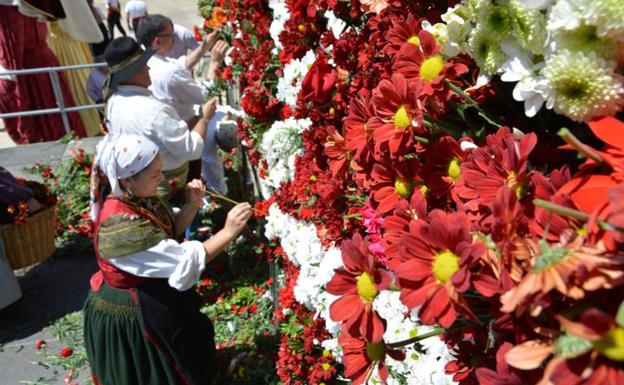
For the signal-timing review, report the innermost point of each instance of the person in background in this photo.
(95, 83)
(142, 319)
(135, 10)
(172, 79)
(113, 7)
(98, 48)
(132, 109)
(183, 42)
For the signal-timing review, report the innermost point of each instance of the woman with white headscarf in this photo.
(142, 319)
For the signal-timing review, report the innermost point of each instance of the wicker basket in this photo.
(32, 241)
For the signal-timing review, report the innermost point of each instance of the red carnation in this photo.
(319, 82)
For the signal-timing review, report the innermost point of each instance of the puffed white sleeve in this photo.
(181, 263)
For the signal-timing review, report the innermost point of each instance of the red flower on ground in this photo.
(398, 115)
(357, 284)
(433, 266)
(361, 357)
(40, 344)
(66, 352)
(392, 182)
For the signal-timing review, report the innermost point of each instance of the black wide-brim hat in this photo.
(125, 58)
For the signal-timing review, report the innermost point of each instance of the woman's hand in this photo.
(195, 191)
(237, 218)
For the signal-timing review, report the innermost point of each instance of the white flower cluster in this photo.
(303, 246)
(560, 53)
(289, 84)
(280, 16)
(300, 242)
(279, 147)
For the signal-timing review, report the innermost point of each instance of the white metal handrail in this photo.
(58, 93)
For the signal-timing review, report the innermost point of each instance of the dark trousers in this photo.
(114, 19)
(135, 24)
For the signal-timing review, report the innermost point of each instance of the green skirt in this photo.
(118, 352)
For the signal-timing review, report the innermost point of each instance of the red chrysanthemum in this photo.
(433, 267)
(393, 182)
(443, 167)
(358, 284)
(358, 134)
(361, 357)
(397, 224)
(405, 32)
(398, 114)
(504, 374)
(425, 62)
(502, 162)
(337, 152)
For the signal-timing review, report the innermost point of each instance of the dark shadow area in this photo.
(55, 287)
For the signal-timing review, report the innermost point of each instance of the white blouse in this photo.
(181, 263)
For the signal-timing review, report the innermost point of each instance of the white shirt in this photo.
(182, 263)
(212, 168)
(136, 8)
(173, 83)
(183, 41)
(134, 110)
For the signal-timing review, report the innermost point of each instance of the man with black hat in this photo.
(132, 109)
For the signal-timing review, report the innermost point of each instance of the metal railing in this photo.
(58, 93)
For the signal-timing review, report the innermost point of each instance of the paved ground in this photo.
(59, 285)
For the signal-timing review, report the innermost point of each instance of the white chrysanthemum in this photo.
(566, 14)
(289, 85)
(453, 33)
(335, 24)
(279, 147)
(496, 22)
(529, 27)
(585, 38)
(280, 16)
(477, 8)
(585, 86)
(608, 17)
(531, 86)
(486, 51)
(536, 4)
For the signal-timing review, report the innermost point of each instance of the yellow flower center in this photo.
(445, 264)
(301, 27)
(611, 345)
(431, 67)
(402, 188)
(326, 353)
(454, 171)
(414, 40)
(326, 366)
(313, 178)
(366, 287)
(424, 190)
(375, 352)
(512, 183)
(400, 118)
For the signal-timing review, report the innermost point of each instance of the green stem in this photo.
(568, 212)
(400, 344)
(349, 216)
(584, 149)
(447, 128)
(471, 102)
(421, 139)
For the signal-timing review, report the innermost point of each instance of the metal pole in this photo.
(60, 101)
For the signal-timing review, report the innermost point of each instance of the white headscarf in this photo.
(118, 157)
